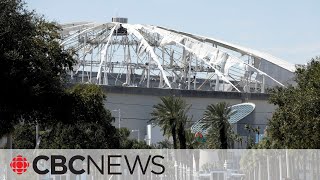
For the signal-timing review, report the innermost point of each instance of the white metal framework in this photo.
(121, 54)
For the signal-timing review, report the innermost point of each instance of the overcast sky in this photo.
(288, 29)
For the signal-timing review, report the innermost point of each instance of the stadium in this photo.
(136, 64)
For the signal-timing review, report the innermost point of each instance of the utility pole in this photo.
(119, 116)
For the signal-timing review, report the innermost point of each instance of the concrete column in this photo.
(263, 84)
(217, 84)
(128, 61)
(189, 74)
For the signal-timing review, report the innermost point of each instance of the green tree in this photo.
(32, 66)
(296, 121)
(86, 124)
(87, 121)
(165, 144)
(127, 143)
(192, 142)
(24, 136)
(250, 137)
(171, 115)
(220, 131)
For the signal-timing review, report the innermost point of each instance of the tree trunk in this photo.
(174, 137)
(9, 141)
(182, 137)
(223, 137)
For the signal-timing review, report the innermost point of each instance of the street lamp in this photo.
(137, 130)
(119, 115)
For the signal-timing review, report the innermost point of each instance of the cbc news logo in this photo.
(19, 164)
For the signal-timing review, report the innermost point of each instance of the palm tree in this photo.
(170, 115)
(216, 118)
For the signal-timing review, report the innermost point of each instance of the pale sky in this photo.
(288, 29)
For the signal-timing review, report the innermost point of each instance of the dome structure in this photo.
(238, 112)
(135, 55)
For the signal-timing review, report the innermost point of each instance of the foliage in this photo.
(165, 144)
(296, 121)
(192, 143)
(86, 119)
(32, 66)
(220, 133)
(127, 143)
(24, 136)
(264, 144)
(85, 103)
(250, 141)
(171, 115)
(78, 136)
(87, 124)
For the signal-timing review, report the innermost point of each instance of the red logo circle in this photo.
(19, 164)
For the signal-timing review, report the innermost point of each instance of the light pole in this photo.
(137, 130)
(119, 115)
(37, 144)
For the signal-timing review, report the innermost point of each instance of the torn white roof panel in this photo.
(277, 61)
